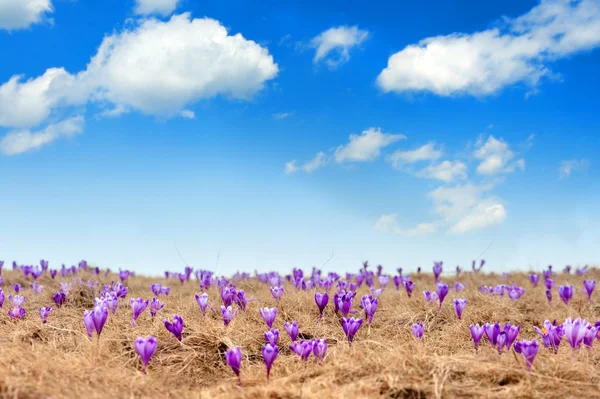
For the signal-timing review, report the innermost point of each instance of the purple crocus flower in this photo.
(156, 289)
(418, 330)
(459, 306)
(437, 269)
(202, 301)
(233, 356)
(292, 329)
(383, 281)
(534, 278)
(155, 307)
(590, 335)
(369, 305)
(16, 313)
(477, 332)
(344, 302)
(350, 325)
(145, 347)
(588, 287)
(17, 300)
(17, 288)
(165, 291)
(175, 328)
(277, 292)
(227, 314)
(409, 286)
(137, 307)
(320, 349)
(269, 353)
(549, 295)
(44, 313)
(492, 331)
(1, 298)
(458, 287)
(321, 300)
(124, 275)
(241, 300)
(111, 300)
(53, 273)
(272, 336)
(430, 296)
(268, 315)
(512, 332)
(549, 283)
(528, 349)
(228, 295)
(501, 340)
(575, 331)
(95, 319)
(442, 291)
(303, 348)
(551, 334)
(566, 293)
(375, 292)
(458, 271)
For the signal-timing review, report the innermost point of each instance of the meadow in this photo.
(387, 358)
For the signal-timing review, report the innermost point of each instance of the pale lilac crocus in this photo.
(376, 292)
(17, 313)
(320, 349)
(202, 301)
(292, 329)
(529, 350)
(233, 357)
(588, 288)
(350, 325)
(534, 279)
(418, 329)
(565, 292)
(137, 307)
(156, 289)
(321, 300)
(227, 314)
(430, 296)
(501, 340)
(459, 306)
(269, 353)
(458, 286)
(383, 281)
(551, 334)
(145, 347)
(37, 288)
(575, 331)
(272, 336)
(303, 348)
(44, 313)
(437, 269)
(369, 305)
(17, 300)
(176, 327)
(95, 319)
(512, 332)
(155, 307)
(477, 332)
(277, 292)
(549, 283)
(590, 335)
(268, 315)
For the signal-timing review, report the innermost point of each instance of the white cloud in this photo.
(337, 41)
(389, 224)
(482, 63)
(366, 146)
(427, 152)
(317, 162)
(282, 115)
(485, 214)
(446, 171)
(20, 141)
(496, 157)
(20, 14)
(157, 67)
(291, 167)
(160, 7)
(574, 165)
(187, 114)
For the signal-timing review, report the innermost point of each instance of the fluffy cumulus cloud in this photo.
(319, 160)
(483, 63)
(496, 157)
(20, 14)
(20, 141)
(574, 165)
(427, 152)
(156, 67)
(333, 45)
(447, 171)
(366, 146)
(160, 7)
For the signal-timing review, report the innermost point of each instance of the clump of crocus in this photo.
(534, 279)
(176, 327)
(437, 269)
(320, 349)
(459, 306)
(269, 353)
(343, 302)
(16, 312)
(588, 288)
(430, 296)
(549, 283)
(272, 336)
(44, 313)
(37, 288)
(383, 281)
(95, 320)
(528, 349)
(277, 292)
(492, 331)
(441, 290)
(268, 315)
(477, 332)
(137, 307)
(292, 329)
(158, 289)
(303, 348)
(155, 307)
(418, 329)
(321, 300)
(233, 357)
(227, 314)
(376, 292)
(17, 300)
(350, 325)
(202, 301)
(145, 347)
(409, 286)
(565, 292)
(458, 287)
(575, 331)
(369, 305)
(551, 334)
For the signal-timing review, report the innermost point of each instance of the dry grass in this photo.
(57, 359)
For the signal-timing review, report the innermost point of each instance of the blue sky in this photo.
(280, 132)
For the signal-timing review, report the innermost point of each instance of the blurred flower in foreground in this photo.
(155, 307)
(269, 353)
(588, 287)
(528, 349)
(233, 356)
(565, 292)
(477, 332)
(176, 327)
(44, 313)
(145, 347)
(459, 306)
(418, 330)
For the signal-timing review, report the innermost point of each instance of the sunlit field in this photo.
(67, 357)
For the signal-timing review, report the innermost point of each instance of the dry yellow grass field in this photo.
(57, 360)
